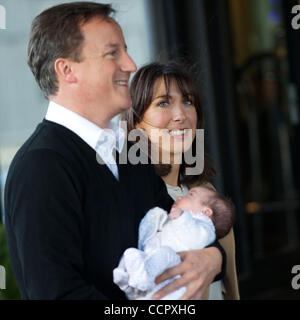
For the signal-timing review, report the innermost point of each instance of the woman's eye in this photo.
(188, 102)
(163, 104)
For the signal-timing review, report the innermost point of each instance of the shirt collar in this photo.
(85, 129)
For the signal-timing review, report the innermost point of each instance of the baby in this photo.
(193, 223)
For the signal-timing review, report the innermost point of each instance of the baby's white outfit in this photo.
(159, 239)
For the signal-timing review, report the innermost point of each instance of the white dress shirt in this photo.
(103, 141)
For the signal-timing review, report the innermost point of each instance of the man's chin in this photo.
(126, 106)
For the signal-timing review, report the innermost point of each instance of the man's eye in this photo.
(112, 53)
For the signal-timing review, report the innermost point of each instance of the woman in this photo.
(166, 105)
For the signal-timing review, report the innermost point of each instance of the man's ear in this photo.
(207, 211)
(64, 70)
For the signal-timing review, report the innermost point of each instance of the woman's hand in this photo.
(198, 269)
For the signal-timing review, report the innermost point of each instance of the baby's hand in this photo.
(175, 212)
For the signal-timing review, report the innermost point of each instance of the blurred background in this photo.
(247, 54)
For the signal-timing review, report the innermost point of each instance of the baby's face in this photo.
(194, 200)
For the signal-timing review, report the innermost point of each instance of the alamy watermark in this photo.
(2, 278)
(296, 279)
(296, 19)
(2, 17)
(158, 151)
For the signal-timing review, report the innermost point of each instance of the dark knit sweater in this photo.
(68, 220)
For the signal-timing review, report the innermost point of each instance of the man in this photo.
(69, 218)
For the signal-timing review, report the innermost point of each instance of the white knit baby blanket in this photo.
(159, 239)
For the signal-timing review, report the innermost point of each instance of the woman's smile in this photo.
(171, 119)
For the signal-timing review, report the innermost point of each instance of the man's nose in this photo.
(128, 64)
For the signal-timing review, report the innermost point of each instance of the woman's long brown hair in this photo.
(142, 89)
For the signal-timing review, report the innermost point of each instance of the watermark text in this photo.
(296, 278)
(296, 18)
(166, 147)
(2, 17)
(2, 278)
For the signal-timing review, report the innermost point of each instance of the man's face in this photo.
(104, 72)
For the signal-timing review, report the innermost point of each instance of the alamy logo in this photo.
(187, 146)
(296, 278)
(2, 17)
(296, 19)
(2, 277)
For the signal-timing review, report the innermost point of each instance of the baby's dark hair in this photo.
(223, 213)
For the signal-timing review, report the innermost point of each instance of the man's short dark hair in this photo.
(56, 33)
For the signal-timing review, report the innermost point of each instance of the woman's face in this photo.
(170, 121)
